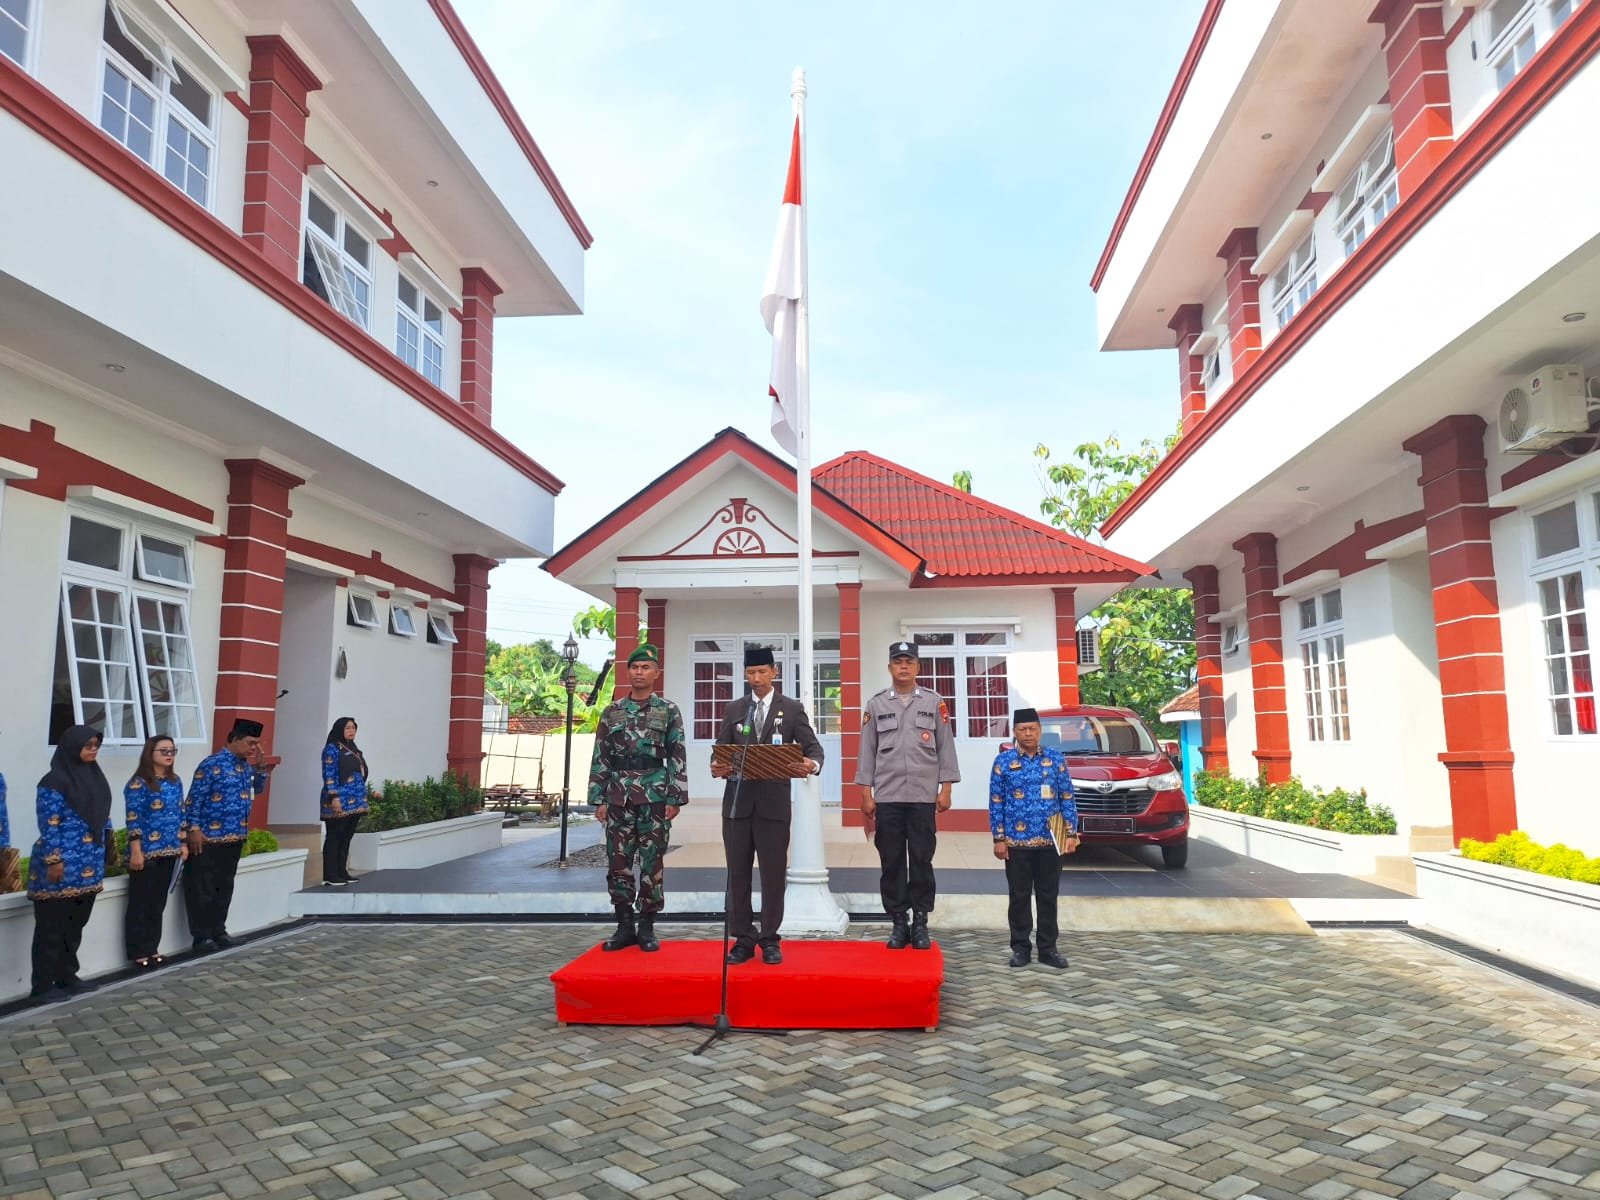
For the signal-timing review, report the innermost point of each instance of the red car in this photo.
(1127, 791)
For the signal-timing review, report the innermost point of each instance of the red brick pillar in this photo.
(1208, 668)
(275, 158)
(627, 635)
(656, 629)
(1466, 617)
(1188, 325)
(1419, 86)
(477, 341)
(1264, 613)
(849, 693)
(1066, 644)
(253, 563)
(464, 749)
(1244, 299)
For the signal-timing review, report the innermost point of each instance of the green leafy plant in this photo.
(1518, 850)
(259, 841)
(402, 804)
(1338, 811)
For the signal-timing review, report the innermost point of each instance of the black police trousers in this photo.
(906, 839)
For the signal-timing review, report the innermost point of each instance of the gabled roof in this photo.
(1185, 706)
(960, 536)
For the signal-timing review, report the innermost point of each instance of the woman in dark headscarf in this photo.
(344, 799)
(68, 865)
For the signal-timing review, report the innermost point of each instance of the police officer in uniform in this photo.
(906, 767)
(638, 779)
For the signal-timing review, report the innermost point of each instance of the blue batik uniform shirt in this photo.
(65, 838)
(345, 799)
(155, 815)
(5, 821)
(219, 797)
(1024, 792)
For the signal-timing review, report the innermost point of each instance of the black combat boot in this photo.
(919, 932)
(648, 942)
(624, 936)
(900, 935)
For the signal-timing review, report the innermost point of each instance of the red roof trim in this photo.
(1054, 579)
(1169, 113)
(508, 113)
(65, 128)
(729, 441)
(1005, 514)
(1553, 66)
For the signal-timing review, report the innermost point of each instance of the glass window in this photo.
(163, 561)
(94, 544)
(441, 631)
(1369, 195)
(1294, 283)
(362, 611)
(969, 672)
(1568, 668)
(337, 260)
(419, 332)
(166, 655)
(1232, 637)
(401, 623)
(1323, 685)
(1555, 530)
(14, 24)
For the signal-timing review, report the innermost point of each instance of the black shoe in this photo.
(222, 941)
(900, 935)
(350, 878)
(740, 954)
(648, 942)
(50, 995)
(200, 944)
(626, 935)
(771, 955)
(79, 987)
(1050, 958)
(920, 940)
(1019, 958)
(335, 882)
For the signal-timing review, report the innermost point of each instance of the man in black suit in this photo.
(755, 812)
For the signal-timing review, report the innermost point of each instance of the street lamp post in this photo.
(569, 680)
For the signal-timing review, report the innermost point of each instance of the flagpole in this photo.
(809, 906)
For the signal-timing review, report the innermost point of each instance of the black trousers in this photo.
(1033, 876)
(906, 839)
(208, 887)
(336, 846)
(147, 904)
(746, 841)
(57, 934)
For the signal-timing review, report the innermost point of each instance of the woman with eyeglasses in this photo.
(156, 845)
(344, 800)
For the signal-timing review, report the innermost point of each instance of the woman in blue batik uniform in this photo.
(68, 866)
(344, 799)
(153, 799)
(8, 855)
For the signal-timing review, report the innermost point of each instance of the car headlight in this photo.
(1170, 782)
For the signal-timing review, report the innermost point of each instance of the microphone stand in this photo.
(721, 1026)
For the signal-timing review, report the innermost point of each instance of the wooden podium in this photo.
(759, 760)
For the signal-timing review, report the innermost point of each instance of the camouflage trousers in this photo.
(636, 831)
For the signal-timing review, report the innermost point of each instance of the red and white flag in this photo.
(780, 303)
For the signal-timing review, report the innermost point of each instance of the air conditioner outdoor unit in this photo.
(1088, 650)
(1549, 408)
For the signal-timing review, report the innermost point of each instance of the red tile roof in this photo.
(958, 535)
(1183, 702)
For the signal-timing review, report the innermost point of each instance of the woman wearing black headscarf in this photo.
(344, 799)
(68, 865)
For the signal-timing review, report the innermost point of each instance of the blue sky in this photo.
(965, 166)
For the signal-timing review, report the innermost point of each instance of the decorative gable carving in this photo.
(738, 529)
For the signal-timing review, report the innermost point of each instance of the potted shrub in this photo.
(411, 825)
(1293, 826)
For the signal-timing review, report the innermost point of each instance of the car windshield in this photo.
(1101, 734)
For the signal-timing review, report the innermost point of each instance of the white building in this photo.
(1365, 225)
(704, 558)
(253, 257)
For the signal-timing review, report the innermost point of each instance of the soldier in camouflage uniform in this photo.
(637, 782)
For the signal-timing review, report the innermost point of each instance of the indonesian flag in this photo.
(780, 303)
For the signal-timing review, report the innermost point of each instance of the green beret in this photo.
(645, 653)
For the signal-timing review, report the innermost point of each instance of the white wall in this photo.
(305, 671)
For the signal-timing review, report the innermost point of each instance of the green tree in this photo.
(1147, 652)
(962, 481)
(527, 679)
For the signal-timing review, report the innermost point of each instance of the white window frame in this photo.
(29, 24)
(130, 586)
(353, 614)
(414, 320)
(402, 622)
(441, 629)
(1233, 637)
(1582, 560)
(1374, 193)
(334, 262)
(786, 658)
(165, 107)
(1324, 675)
(143, 572)
(1294, 283)
(960, 718)
(1530, 26)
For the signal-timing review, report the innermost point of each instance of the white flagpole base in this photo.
(809, 907)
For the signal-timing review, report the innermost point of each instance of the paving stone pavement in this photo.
(421, 1062)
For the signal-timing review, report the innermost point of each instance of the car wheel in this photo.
(1175, 855)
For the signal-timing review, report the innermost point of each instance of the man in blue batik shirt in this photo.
(1028, 786)
(218, 810)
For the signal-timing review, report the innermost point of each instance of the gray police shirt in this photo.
(907, 749)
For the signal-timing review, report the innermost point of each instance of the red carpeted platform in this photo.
(819, 985)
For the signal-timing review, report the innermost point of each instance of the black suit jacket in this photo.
(767, 798)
